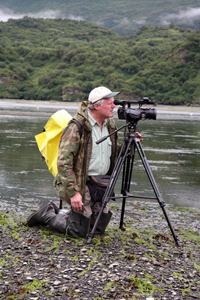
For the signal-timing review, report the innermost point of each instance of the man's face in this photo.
(106, 110)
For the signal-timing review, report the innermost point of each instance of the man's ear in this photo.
(96, 106)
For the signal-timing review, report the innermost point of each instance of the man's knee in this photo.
(78, 225)
(102, 223)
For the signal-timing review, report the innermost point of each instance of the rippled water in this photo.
(171, 144)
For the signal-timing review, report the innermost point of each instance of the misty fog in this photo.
(165, 19)
(6, 14)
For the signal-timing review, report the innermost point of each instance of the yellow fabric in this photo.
(48, 141)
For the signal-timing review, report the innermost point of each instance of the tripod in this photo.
(126, 160)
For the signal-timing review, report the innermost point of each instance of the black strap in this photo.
(80, 127)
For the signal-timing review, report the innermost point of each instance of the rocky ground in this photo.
(139, 262)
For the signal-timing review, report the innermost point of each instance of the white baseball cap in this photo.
(99, 93)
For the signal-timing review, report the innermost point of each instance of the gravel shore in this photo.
(139, 262)
(30, 103)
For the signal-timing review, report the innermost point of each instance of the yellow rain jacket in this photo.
(48, 141)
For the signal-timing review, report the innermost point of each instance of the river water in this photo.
(171, 144)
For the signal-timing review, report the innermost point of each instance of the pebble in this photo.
(57, 282)
(29, 278)
(66, 277)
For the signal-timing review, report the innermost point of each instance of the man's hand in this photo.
(76, 202)
(139, 136)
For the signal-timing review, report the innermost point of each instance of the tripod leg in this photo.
(154, 186)
(126, 179)
(110, 187)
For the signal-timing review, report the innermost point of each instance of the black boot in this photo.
(58, 222)
(103, 222)
(48, 214)
(71, 223)
(39, 217)
(77, 225)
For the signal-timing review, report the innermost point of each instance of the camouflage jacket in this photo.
(74, 155)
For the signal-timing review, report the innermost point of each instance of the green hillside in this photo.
(124, 17)
(65, 59)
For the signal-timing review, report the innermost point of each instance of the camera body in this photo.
(135, 114)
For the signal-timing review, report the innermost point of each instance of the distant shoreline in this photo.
(160, 108)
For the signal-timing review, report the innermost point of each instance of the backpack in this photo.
(48, 141)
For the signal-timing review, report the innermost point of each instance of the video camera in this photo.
(134, 115)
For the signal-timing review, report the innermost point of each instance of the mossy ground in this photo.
(134, 263)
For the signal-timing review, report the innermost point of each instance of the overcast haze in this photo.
(189, 15)
(165, 19)
(6, 14)
(121, 22)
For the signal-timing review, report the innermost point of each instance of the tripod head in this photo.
(134, 115)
